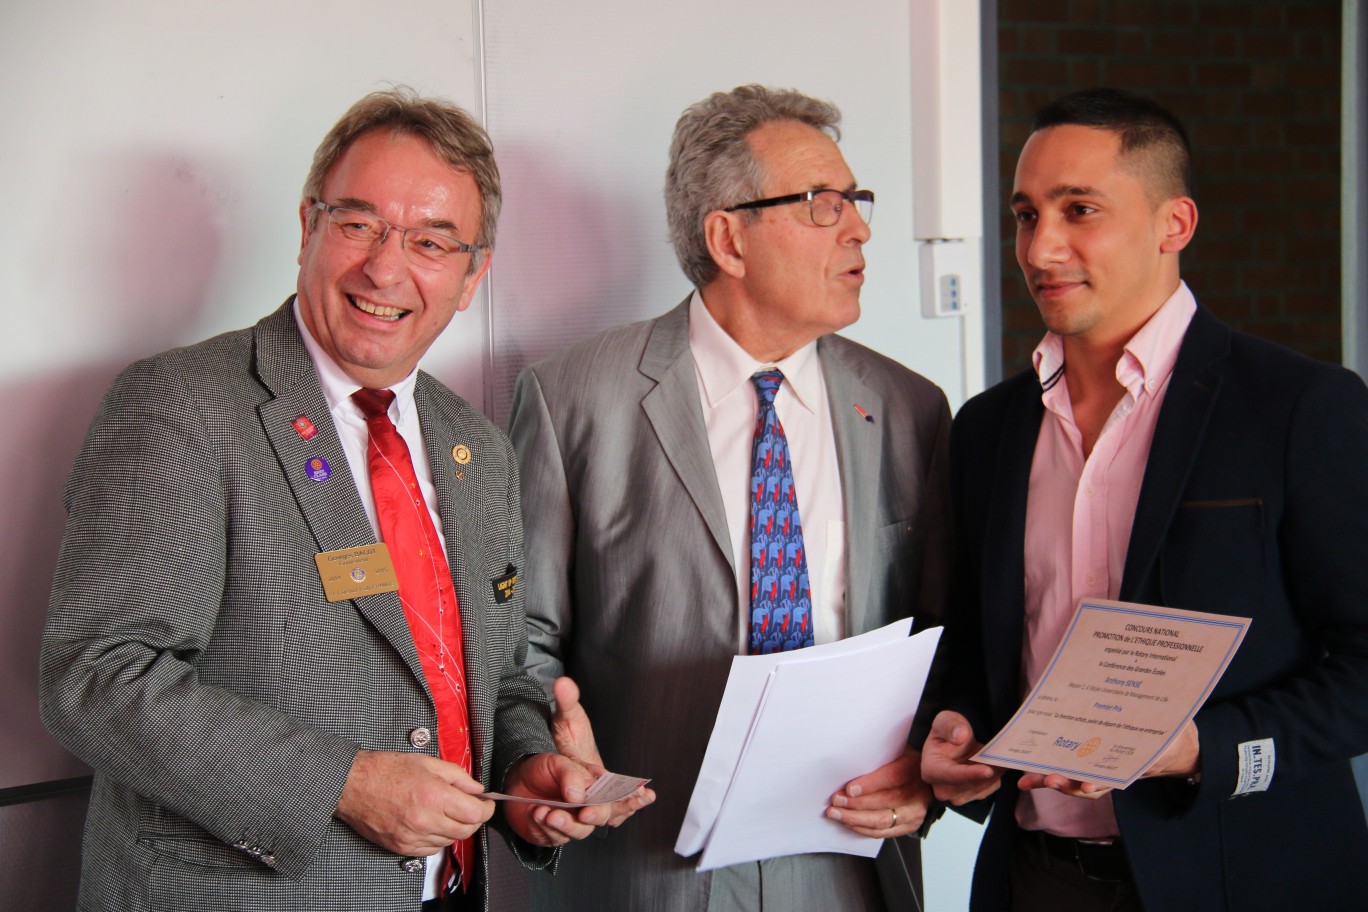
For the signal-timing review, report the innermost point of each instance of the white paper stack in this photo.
(795, 727)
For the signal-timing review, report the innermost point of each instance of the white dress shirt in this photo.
(730, 411)
(351, 428)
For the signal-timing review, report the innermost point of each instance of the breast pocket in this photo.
(1215, 557)
(897, 567)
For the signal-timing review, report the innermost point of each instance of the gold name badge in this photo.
(354, 572)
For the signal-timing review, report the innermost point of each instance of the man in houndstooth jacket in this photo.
(256, 745)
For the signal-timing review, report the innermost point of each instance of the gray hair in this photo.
(455, 137)
(711, 165)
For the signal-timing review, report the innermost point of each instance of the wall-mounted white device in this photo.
(949, 270)
(947, 159)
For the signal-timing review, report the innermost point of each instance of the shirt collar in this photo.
(1151, 353)
(338, 387)
(723, 365)
(1147, 359)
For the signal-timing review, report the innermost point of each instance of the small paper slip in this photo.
(792, 729)
(1124, 681)
(606, 789)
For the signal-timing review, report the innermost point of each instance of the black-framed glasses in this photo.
(823, 205)
(362, 229)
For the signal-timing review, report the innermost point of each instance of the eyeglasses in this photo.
(824, 206)
(361, 229)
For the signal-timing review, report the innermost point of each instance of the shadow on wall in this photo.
(571, 261)
(153, 258)
(41, 844)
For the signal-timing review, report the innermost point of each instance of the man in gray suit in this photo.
(262, 739)
(636, 455)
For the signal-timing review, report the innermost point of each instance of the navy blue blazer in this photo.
(1254, 503)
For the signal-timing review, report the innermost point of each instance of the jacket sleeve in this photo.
(1312, 707)
(549, 530)
(933, 605)
(138, 587)
(522, 712)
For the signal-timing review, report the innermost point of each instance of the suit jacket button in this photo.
(268, 859)
(420, 738)
(412, 865)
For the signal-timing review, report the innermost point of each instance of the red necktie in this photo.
(425, 586)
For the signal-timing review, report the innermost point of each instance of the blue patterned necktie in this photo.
(781, 599)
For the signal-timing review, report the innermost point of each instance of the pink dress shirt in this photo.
(1078, 519)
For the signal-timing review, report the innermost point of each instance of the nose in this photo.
(853, 227)
(1041, 243)
(387, 263)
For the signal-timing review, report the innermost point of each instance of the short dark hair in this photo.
(1145, 127)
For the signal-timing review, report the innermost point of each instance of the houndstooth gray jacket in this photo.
(190, 655)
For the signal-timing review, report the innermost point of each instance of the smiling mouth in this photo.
(379, 311)
(1055, 285)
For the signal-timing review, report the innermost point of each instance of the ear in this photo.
(725, 233)
(305, 205)
(1178, 222)
(473, 281)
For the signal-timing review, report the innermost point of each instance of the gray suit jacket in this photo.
(631, 588)
(192, 659)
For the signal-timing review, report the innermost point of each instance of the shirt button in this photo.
(1088, 490)
(1092, 579)
(420, 737)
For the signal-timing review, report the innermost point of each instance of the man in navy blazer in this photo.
(1156, 456)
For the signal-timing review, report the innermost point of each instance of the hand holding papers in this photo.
(1120, 688)
(792, 728)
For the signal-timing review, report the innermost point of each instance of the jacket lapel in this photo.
(1003, 564)
(331, 508)
(859, 455)
(676, 416)
(464, 528)
(1192, 394)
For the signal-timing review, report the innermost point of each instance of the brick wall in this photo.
(1257, 86)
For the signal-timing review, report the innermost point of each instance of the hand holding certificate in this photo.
(1121, 687)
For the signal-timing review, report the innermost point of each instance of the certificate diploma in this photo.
(1124, 681)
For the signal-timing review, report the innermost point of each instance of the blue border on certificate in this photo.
(1138, 611)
